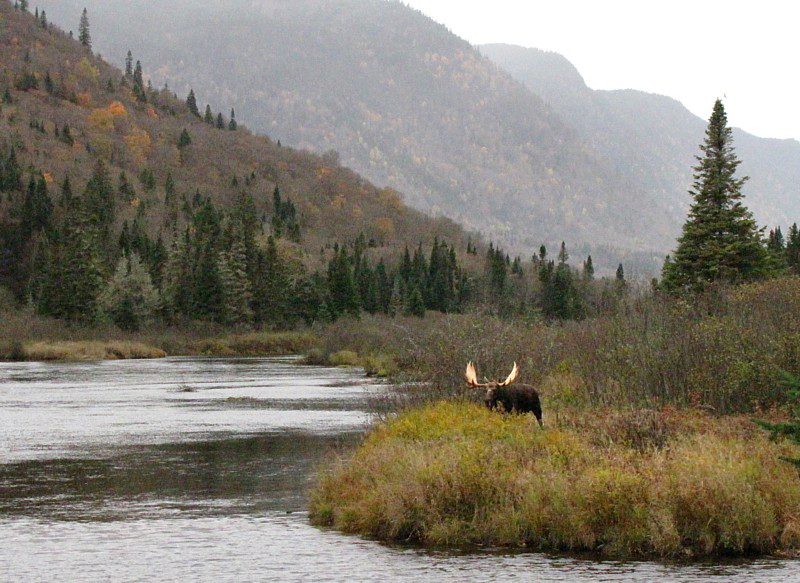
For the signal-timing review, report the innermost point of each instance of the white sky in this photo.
(746, 52)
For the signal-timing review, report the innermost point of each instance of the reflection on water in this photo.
(199, 469)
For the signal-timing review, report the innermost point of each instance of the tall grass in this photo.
(457, 474)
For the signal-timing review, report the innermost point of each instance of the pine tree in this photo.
(184, 139)
(209, 117)
(220, 122)
(720, 239)
(191, 103)
(588, 269)
(74, 275)
(129, 299)
(83, 30)
(129, 65)
(138, 83)
(23, 5)
(232, 123)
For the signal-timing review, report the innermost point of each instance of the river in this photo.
(198, 469)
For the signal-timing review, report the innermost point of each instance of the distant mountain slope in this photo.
(402, 100)
(652, 139)
(143, 140)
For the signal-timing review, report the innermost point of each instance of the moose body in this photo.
(514, 399)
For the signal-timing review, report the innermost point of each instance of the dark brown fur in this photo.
(515, 399)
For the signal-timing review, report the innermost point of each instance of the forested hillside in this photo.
(108, 185)
(402, 100)
(652, 139)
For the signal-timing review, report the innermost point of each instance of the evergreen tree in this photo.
(272, 288)
(129, 65)
(720, 239)
(793, 249)
(23, 5)
(184, 139)
(129, 299)
(37, 207)
(237, 294)
(74, 274)
(43, 20)
(220, 122)
(209, 117)
(99, 198)
(790, 428)
(177, 279)
(232, 123)
(416, 305)
(343, 291)
(83, 30)
(191, 103)
(588, 269)
(138, 83)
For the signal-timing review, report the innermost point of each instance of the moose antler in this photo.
(511, 377)
(472, 377)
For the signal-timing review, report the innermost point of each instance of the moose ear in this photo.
(511, 377)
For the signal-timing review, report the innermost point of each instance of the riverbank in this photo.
(669, 483)
(30, 337)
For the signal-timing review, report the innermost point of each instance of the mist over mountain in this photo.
(653, 139)
(528, 156)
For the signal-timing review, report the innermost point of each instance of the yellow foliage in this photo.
(116, 108)
(151, 112)
(384, 228)
(85, 70)
(48, 178)
(139, 144)
(101, 119)
(356, 212)
(338, 201)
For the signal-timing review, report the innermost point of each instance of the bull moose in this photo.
(518, 398)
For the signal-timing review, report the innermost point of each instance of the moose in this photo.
(518, 398)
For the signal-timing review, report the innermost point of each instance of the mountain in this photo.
(525, 153)
(400, 98)
(95, 165)
(653, 139)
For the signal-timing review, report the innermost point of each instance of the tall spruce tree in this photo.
(191, 103)
(83, 30)
(720, 239)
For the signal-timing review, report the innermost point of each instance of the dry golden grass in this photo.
(636, 484)
(90, 350)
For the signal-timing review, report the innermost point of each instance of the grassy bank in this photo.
(639, 483)
(24, 336)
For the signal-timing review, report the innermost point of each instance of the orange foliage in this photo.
(116, 108)
(84, 99)
(48, 178)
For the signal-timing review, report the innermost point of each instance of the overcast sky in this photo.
(747, 53)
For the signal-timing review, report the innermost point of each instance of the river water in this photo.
(192, 469)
